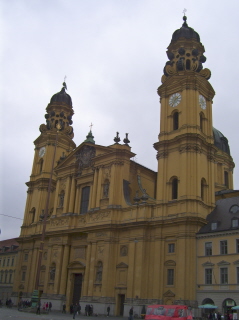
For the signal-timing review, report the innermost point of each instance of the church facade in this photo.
(100, 228)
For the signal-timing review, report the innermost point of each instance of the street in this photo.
(13, 313)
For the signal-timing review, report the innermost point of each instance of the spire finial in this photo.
(64, 83)
(91, 125)
(185, 18)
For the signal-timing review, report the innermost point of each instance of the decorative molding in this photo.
(98, 216)
(122, 265)
(59, 222)
(208, 264)
(223, 263)
(170, 263)
(169, 293)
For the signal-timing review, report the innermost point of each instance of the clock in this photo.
(202, 102)
(175, 99)
(42, 152)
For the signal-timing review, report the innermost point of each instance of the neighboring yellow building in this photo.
(8, 263)
(117, 233)
(218, 255)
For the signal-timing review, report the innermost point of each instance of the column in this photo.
(64, 270)
(72, 195)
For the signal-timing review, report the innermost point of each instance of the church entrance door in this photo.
(77, 287)
(121, 298)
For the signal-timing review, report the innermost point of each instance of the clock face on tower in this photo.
(175, 99)
(202, 102)
(42, 152)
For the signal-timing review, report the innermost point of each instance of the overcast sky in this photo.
(113, 53)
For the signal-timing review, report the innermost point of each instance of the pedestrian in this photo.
(131, 312)
(75, 309)
(64, 308)
(49, 306)
(108, 311)
(39, 308)
(79, 308)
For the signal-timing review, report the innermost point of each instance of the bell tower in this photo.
(185, 150)
(55, 142)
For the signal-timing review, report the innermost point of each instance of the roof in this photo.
(62, 97)
(225, 211)
(220, 141)
(8, 245)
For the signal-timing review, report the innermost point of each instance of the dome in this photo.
(185, 32)
(220, 141)
(62, 97)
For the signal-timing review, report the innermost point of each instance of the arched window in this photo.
(174, 188)
(175, 120)
(188, 64)
(202, 122)
(85, 196)
(226, 180)
(203, 186)
(40, 165)
(33, 212)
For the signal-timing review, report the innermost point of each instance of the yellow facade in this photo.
(117, 233)
(8, 263)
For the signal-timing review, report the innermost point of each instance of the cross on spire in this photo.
(91, 125)
(184, 11)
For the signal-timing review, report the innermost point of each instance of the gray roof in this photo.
(225, 211)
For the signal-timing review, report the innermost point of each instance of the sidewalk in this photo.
(14, 314)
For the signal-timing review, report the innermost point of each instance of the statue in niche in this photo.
(99, 270)
(61, 199)
(106, 190)
(123, 251)
(52, 274)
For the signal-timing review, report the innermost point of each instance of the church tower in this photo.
(186, 150)
(54, 143)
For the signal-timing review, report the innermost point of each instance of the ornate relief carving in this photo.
(101, 234)
(82, 219)
(190, 148)
(55, 239)
(123, 251)
(79, 253)
(55, 253)
(59, 222)
(98, 216)
(163, 154)
(169, 293)
(63, 184)
(107, 172)
(100, 250)
(84, 157)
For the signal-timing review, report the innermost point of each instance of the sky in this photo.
(113, 53)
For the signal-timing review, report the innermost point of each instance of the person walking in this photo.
(75, 309)
(50, 306)
(131, 312)
(64, 308)
(38, 308)
(108, 311)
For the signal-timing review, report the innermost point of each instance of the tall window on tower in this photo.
(85, 196)
(203, 187)
(175, 121)
(226, 181)
(174, 188)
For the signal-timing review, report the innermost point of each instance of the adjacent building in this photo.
(8, 263)
(116, 233)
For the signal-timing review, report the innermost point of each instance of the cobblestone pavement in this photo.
(14, 314)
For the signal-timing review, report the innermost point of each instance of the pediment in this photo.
(236, 262)
(170, 263)
(76, 265)
(169, 293)
(208, 264)
(81, 157)
(122, 265)
(223, 263)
